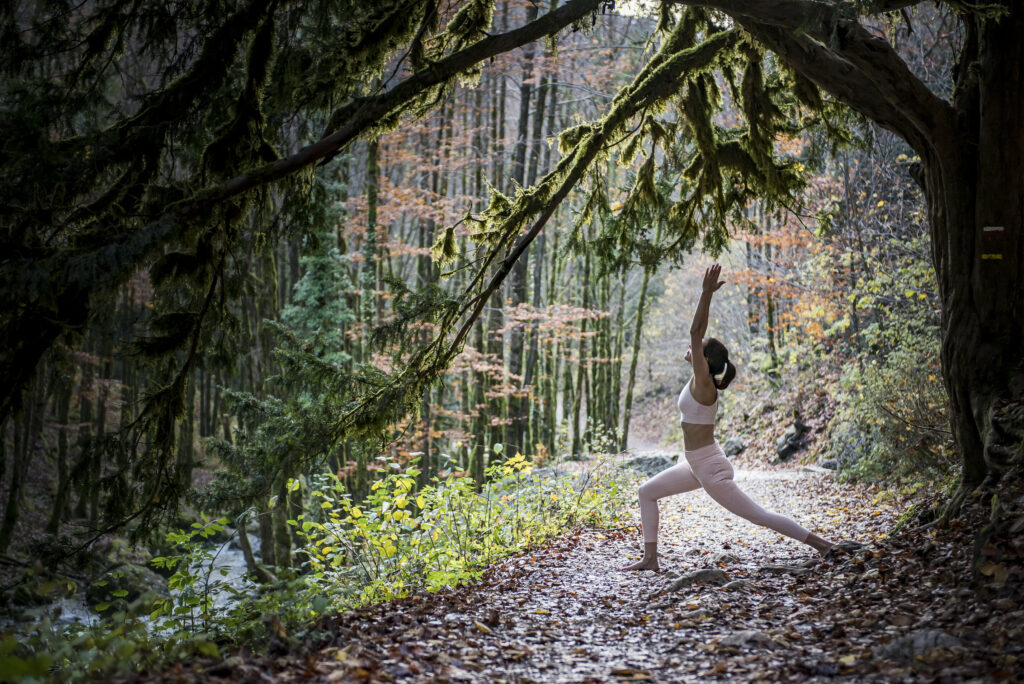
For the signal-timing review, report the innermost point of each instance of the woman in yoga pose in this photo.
(705, 464)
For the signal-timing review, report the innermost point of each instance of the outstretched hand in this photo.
(711, 283)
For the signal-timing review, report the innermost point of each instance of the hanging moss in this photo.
(445, 250)
(470, 23)
(241, 144)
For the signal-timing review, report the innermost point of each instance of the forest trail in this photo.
(564, 613)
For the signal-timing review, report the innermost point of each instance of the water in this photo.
(231, 561)
(228, 557)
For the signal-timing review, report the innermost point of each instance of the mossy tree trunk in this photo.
(974, 185)
(634, 356)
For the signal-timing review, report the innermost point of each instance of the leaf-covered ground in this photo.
(907, 607)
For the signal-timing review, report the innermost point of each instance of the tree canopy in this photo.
(143, 135)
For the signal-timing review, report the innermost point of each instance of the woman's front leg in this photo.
(674, 480)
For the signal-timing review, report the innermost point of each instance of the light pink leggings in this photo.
(708, 467)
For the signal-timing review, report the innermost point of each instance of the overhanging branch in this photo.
(842, 39)
(363, 113)
(834, 75)
(660, 80)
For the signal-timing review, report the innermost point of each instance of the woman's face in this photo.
(689, 357)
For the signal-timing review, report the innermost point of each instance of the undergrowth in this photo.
(396, 542)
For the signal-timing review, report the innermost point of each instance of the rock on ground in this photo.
(650, 465)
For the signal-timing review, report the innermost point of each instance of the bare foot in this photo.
(844, 548)
(644, 563)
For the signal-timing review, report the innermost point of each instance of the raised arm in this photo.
(699, 326)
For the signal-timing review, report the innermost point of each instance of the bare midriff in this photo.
(697, 435)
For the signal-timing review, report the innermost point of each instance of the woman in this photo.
(705, 464)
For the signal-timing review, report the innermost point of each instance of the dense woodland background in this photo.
(227, 373)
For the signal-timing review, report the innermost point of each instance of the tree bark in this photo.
(637, 333)
(581, 374)
(60, 500)
(973, 186)
(251, 566)
(22, 449)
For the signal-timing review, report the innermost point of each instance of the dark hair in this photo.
(718, 361)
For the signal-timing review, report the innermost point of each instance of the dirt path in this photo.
(895, 611)
(569, 616)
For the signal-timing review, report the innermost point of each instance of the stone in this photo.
(33, 590)
(830, 464)
(723, 557)
(134, 579)
(28, 596)
(711, 576)
(916, 643)
(650, 465)
(736, 585)
(1004, 604)
(818, 470)
(790, 441)
(734, 446)
(749, 637)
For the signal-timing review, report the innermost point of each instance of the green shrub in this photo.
(892, 421)
(393, 543)
(396, 541)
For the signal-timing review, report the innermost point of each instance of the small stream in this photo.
(228, 557)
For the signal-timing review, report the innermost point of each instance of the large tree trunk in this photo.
(976, 209)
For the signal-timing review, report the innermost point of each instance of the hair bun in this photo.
(723, 378)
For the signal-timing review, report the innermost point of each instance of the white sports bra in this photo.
(692, 411)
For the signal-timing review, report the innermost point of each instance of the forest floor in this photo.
(906, 607)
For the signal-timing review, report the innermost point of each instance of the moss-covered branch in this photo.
(824, 43)
(660, 80)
